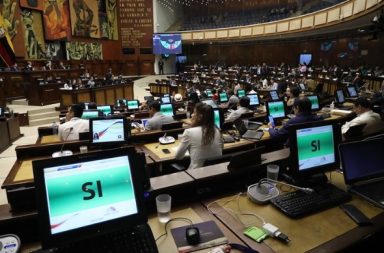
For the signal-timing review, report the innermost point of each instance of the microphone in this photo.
(64, 152)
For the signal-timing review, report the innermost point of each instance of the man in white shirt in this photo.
(157, 118)
(365, 115)
(243, 108)
(73, 125)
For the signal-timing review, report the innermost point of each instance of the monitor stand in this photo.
(305, 181)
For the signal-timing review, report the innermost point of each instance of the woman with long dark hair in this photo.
(203, 139)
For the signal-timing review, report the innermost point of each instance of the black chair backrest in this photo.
(172, 125)
(355, 131)
(218, 159)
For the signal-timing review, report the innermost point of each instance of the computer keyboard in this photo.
(298, 203)
(138, 240)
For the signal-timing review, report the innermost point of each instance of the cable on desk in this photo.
(173, 219)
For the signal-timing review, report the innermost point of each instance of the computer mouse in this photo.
(193, 235)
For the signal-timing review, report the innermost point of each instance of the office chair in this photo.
(354, 132)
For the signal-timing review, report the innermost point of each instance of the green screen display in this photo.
(223, 97)
(133, 104)
(217, 118)
(315, 146)
(276, 109)
(166, 109)
(89, 114)
(314, 102)
(241, 93)
(106, 109)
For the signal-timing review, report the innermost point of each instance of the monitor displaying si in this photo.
(133, 104)
(254, 100)
(121, 102)
(85, 194)
(167, 109)
(167, 43)
(352, 92)
(313, 148)
(274, 95)
(315, 104)
(166, 99)
(88, 114)
(223, 97)
(208, 92)
(276, 109)
(108, 131)
(339, 96)
(240, 93)
(105, 109)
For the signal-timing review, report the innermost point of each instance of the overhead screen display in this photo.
(167, 43)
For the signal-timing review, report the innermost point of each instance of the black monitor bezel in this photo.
(337, 97)
(258, 98)
(206, 93)
(127, 132)
(318, 101)
(117, 104)
(110, 106)
(166, 96)
(138, 104)
(349, 94)
(285, 108)
(294, 157)
(220, 101)
(271, 97)
(173, 108)
(53, 240)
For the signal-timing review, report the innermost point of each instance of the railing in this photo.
(340, 13)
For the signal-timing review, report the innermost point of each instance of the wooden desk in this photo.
(327, 231)
(14, 128)
(154, 150)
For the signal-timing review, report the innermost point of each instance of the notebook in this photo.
(84, 199)
(247, 133)
(363, 169)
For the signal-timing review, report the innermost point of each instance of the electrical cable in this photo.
(173, 219)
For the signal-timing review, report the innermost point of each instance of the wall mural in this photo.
(110, 6)
(85, 18)
(56, 19)
(55, 50)
(84, 51)
(33, 34)
(32, 4)
(9, 20)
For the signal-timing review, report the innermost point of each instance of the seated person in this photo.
(73, 125)
(157, 118)
(29, 66)
(243, 108)
(293, 93)
(362, 107)
(233, 101)
(203, 139)
(302, 110)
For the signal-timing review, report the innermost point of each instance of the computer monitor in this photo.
(108, 131)
(352, 92)
(223, 97)
(302, 87)
(133, 104)
(88, 194)
(210, 102)
(313, 149)
(88, 114)
(1, 112)
(167, 110)
(219, 117)
(240, 93)
(121, 102)
(208, 92)
(339, 96)
(105, 109)
(254, 100)
(276, 109)
(315, 104)
(273, 95)
(166, 99)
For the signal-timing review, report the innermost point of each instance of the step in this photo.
(41, 110)
(43, 121)
(43, 115)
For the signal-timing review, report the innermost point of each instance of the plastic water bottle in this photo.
(332, 105)
(55, 128)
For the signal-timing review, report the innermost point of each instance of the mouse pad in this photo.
(210, 236)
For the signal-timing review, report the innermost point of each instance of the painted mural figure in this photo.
(84, 16)
(9, 18)
(33, 47)
(55, 19)
(111, 14)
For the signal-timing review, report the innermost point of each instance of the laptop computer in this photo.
(363, 169)
(86, 201)
(246, 132)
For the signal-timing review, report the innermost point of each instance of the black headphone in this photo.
(242, 248)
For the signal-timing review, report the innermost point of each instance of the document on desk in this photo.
(210, 236)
